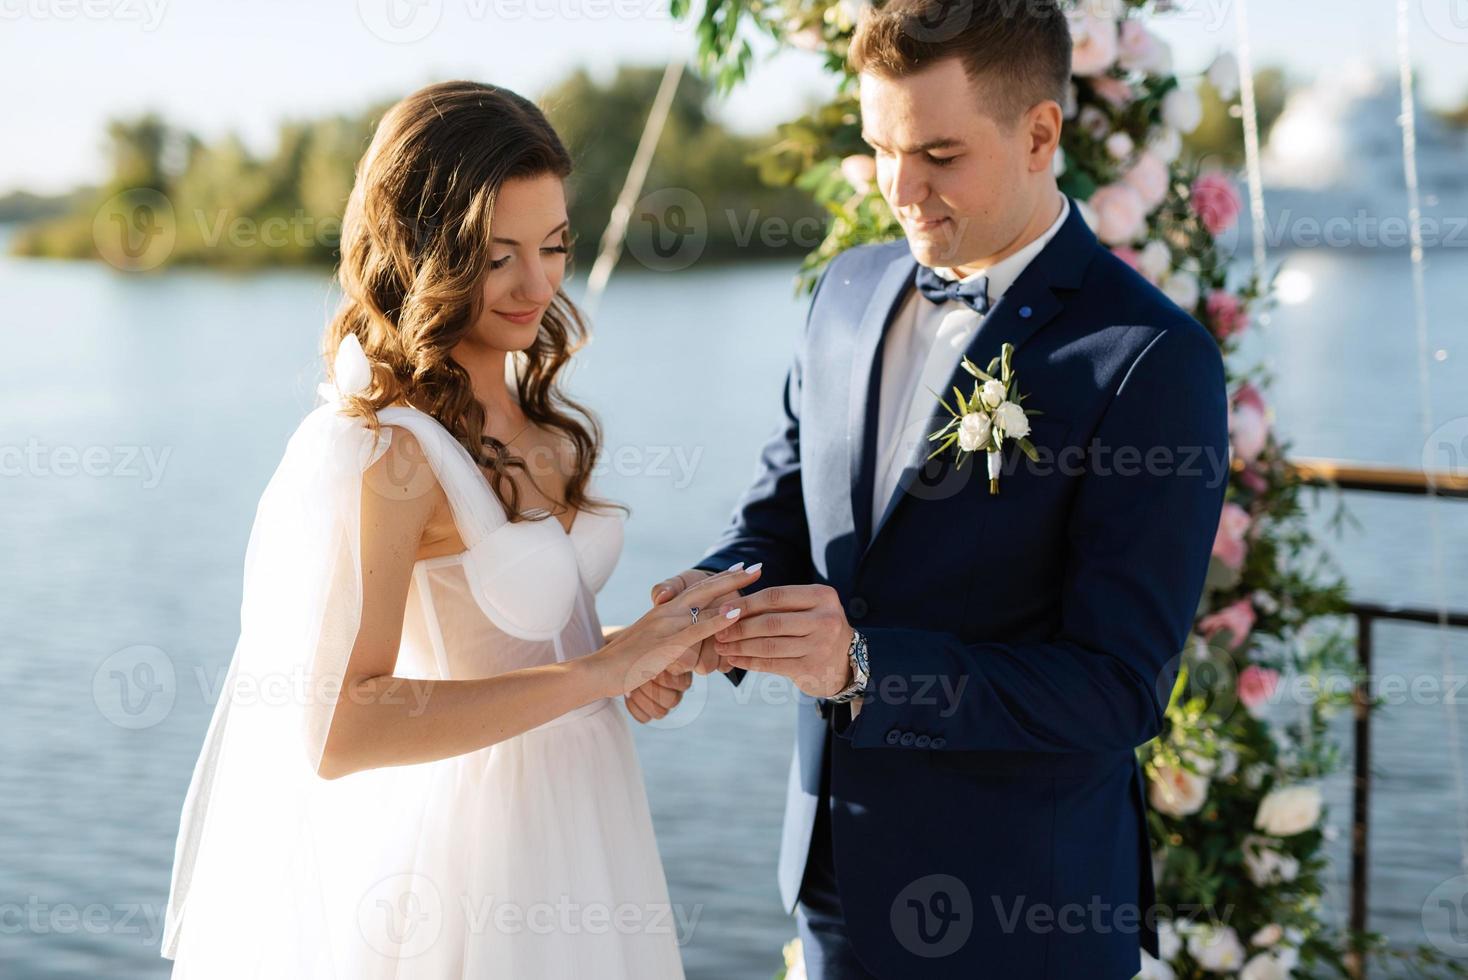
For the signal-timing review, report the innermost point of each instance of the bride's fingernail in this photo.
(732, 614)
(754, 568)
(735, 567)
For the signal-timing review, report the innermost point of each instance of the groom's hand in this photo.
(797, 631)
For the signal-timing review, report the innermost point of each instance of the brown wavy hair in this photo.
(414, 253)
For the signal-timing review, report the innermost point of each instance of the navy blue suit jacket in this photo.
(988, 814)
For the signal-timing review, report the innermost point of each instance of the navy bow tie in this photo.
(974, 294)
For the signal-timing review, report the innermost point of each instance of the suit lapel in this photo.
(1027, 306)
(866, 374)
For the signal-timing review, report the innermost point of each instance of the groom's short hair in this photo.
(1021, 48)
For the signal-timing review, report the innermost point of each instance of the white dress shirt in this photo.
(923, 346)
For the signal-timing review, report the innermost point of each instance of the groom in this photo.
(977, 668)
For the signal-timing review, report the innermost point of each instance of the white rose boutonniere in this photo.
(982, 421)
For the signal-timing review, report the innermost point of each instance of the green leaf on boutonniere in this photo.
(962, 402)
(946, 443)
(1030, 450)
(973, 369)
(945, 404)
(994, 365)
(1007, 354)
(944, 431)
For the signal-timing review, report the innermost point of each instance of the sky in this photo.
(67, 66)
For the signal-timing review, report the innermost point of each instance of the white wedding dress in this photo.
(532, 859)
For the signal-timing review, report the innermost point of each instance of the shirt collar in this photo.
(1003, 273)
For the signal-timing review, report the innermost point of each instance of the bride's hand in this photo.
(665, 632)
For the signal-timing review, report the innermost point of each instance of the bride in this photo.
(414, 768)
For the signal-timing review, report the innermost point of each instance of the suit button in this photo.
(893, 736)
(923, 741)
(908, 738)
(857, 607)
(939, 742)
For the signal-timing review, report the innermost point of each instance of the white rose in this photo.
(1265, 966)
(992, 394)
(1119, 145)
(1120, 214)
(1139, 49)
(1177, 792)
(1155, 260)
(1169, 943)
(1150, 178)
(1094, 122)
(1167, 143)
(1093, 43)
(1289, 811)
(1223, 75)
(973, 432)
(1011, 419)
(1267, 936)
(1216, 948)
(1182, 288)
(1155, 969)
(1265, 865)
(1182, 110)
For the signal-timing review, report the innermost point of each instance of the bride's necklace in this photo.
(518, 434)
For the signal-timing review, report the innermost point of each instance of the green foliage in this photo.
(220, 204)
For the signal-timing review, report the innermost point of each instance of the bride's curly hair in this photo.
(414, 254)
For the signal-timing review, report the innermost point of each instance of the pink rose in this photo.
(1250, 477)
(1128, 255)
(1227, 314)
(1121, 216)
(1093, 43)
(1248, 423)
(1216, 202)
(1237, 619)
(1150, 179)
(1115, 91)
(1256, 686)
(1229, 545)
(860, 170)
(1138, 49)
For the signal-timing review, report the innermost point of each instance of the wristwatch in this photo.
(861, 671)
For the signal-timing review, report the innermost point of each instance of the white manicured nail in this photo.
(732, 613)
(735, 567)
(755, 567)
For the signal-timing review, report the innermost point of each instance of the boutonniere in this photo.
(990, 415)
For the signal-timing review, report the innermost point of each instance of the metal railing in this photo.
(1393, 480)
